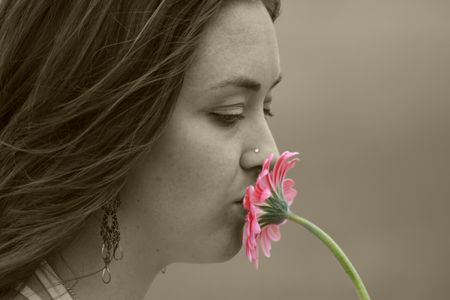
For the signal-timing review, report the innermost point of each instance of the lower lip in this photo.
(238, 204)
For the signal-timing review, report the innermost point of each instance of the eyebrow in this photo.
(243, 82)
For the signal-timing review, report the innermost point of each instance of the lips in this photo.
(239, 201)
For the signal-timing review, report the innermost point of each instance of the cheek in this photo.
(197, 151)
(192, 166)
(186, 184)
(194, 190)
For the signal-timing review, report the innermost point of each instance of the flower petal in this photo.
(273, 232)
(286, 167)
(265, 242)
(247, 198)
(256, 262)
(264, 181)
(267, 161)
(280, 167)
(288, 190)
(266, 193)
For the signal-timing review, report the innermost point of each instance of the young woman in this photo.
(129, 130)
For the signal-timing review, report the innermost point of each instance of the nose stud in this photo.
(256, 150)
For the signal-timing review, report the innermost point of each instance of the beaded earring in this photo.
(111, 247)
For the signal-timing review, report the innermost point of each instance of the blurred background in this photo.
(365, 99)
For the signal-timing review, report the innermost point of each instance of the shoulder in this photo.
(33, 290)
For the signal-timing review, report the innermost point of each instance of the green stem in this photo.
(337, 251)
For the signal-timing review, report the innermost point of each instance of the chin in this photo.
(230, 253)
(229, 248)
(218, 250)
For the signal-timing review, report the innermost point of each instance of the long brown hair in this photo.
(86, 87)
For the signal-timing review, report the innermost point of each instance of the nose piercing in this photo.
(256, 150)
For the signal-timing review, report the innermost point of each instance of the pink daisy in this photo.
(267, 204)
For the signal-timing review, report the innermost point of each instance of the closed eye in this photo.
(231, 119)
(228, 120)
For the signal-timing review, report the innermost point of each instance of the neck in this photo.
(131, 277)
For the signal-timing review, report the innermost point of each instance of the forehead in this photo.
(240, 41)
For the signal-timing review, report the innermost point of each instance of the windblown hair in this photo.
(86, 88)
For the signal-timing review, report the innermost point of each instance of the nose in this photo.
(260, 137)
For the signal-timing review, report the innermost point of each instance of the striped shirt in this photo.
(47, 285)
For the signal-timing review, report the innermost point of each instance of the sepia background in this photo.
(365, 99)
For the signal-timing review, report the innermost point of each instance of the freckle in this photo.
(157, 178)
(157, 250)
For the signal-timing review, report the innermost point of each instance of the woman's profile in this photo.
(129, 130)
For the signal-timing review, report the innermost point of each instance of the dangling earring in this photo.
(111, 237)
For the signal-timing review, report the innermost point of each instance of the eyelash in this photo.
(231, 119)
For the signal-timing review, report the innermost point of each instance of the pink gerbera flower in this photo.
(267, 205)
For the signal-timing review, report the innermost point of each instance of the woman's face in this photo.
(181, 197)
